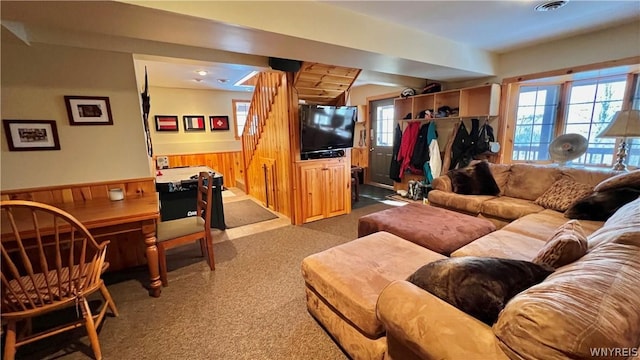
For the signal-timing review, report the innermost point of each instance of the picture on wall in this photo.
(30, 135)
(219, 122)
(88, 110)
(193, 122)
(166, 123)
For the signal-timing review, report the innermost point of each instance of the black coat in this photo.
(421, 149)
(394, 168)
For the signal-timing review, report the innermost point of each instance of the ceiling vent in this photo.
(550, 5)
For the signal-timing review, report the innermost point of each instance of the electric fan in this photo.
(567, 147)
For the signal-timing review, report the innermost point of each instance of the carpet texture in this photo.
(251, 307)
(245, 212)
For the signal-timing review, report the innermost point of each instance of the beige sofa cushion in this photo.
(530, 181)
(562, 194)
(502, 244)
(500, 174)
(587, 176)
(630, 179)
(590, 303)
(543, 225)
(567, 245)
(351, 276)
(509, 208)
(469, 203)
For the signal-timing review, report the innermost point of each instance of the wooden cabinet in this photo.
(324, 188)
(480, 101)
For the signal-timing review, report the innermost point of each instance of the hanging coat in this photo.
(421, 149)
(394, 168)
(409, 138)
(459, 147)
(433, 167)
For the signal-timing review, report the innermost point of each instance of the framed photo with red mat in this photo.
(219, 122)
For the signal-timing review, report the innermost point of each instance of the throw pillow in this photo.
(478, 286)
(601, 205)
(562, 194)
(630, 179)
(567, 245)
(475, 179)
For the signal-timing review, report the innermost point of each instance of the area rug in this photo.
(245, 212)
(396, 197)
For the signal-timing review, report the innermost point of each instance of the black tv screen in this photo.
(326, 127)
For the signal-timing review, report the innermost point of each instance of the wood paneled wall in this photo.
(273, 150)
(125, 250)
(230, 164)
(81, 192)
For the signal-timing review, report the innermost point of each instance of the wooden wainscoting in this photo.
(230, 164)
(81, 192)
(126, 249)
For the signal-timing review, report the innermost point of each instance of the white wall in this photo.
(172, 101)
(610, 44)
(35, 80)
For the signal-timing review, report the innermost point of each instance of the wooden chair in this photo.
(174, 233)
(51, 261)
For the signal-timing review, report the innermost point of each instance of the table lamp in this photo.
(624, 124)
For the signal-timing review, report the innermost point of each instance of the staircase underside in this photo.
(324, 84)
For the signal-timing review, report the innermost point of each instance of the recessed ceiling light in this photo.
(223, 81)
(202, 72)
(550, 5)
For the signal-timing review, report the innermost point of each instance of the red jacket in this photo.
(409, 138)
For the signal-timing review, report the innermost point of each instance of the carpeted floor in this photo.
(245, 212)
(251, 307)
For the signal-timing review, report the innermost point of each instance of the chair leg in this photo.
(91, 329)
(10, 341)
(162, 262)
(107, 296)
(210, 254)
(203, 246)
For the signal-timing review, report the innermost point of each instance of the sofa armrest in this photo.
(431, 328)
(442, 183)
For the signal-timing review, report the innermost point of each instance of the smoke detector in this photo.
(550, 5)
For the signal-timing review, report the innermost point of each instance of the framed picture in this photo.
(166, 123)
(88, 110)
(193, 122)
(219, 122)
(30, 135)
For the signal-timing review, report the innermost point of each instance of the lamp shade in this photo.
(625, 123)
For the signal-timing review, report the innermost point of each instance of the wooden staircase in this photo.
(270, 139)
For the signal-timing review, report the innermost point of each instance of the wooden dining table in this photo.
(105, 218)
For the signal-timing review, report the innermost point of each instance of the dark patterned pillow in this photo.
(567, 245)
(601, 205)
(479, 286)
(562, 194)
(475, 179)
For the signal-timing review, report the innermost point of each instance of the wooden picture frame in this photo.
(88, 110)
(31, 135)
(193, 122)
(219, 122)
(166, 122)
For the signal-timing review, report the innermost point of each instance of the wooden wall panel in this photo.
(125, 250)
(226, 163)
(81, 192)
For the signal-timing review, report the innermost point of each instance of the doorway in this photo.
(381, 150)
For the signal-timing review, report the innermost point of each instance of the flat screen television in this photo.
(325, 127)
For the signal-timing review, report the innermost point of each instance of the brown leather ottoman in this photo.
(343, 284)
(437, 229)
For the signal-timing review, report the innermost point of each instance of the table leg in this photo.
(149, 231)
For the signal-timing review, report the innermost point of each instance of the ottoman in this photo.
(437, 229)
(343, 284)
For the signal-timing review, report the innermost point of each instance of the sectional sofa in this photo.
(358, 291)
